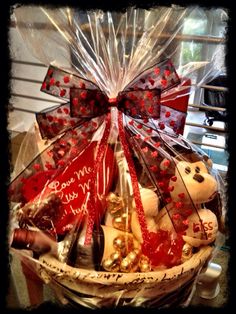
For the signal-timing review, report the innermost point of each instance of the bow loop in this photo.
(88, 103)
(58, 82)
(140, 104)
(56, 120)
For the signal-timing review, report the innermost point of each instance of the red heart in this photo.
(174, 178)
(50, 118)
(181, 195)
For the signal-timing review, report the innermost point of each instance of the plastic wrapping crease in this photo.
(117, 200)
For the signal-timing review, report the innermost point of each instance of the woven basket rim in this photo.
(58, 270)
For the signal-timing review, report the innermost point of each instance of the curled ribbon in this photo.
(140, 99)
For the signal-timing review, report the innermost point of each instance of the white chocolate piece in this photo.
(150, 202)
(135, 227)
(203, 233)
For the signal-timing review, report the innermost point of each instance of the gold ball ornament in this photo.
(124, 244)
(110, 265)
(125, 265)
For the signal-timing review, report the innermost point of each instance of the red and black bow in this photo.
(140, 99)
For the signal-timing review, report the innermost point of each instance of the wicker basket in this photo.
(95, 289)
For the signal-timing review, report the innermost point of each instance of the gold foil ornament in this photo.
(187, 252)
(145, 267)
(123, 243)
(122, 222)
(125, 265)
(110, 265)
(134, 256)
(116, 256)
(144, 264)
(114, 203)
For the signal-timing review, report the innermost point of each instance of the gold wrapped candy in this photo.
(114, 203)
(121, 216)
(126, 257)
(124, 244)
(111, 265)
(187, 252)
(131, 262)
(122, 222)
(144, 264)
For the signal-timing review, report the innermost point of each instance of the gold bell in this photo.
(114, 203)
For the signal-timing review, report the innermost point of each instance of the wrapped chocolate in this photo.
(121, 192)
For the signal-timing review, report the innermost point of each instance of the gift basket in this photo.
(119, 208)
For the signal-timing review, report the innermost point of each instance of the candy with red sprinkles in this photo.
(164, 82)
(61, 163)
(179, 205)
(66, 110)
(83, 95)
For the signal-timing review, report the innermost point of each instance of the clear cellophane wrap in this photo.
(117, 208)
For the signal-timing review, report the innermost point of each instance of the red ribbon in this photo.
(134, 180)
(99, 157)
